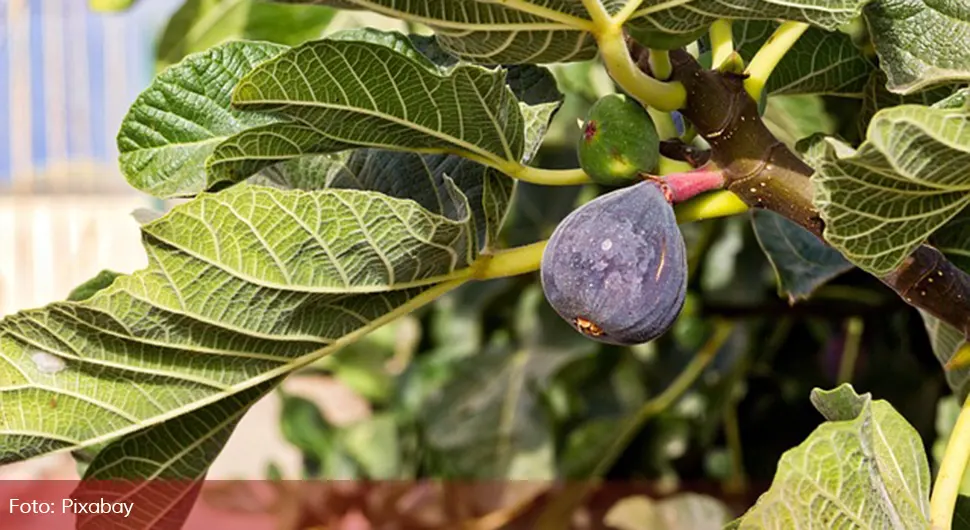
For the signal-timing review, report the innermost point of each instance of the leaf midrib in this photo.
(479, 154)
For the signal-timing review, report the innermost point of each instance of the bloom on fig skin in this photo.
(616, 268)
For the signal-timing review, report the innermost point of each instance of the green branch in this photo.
(722, 42)
(947, 486)
(770, 54)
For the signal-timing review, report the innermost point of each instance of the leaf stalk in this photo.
(666, 96)
(770, 54)
(722, 41)
(946, 489)
(660, 64)
(718, 204)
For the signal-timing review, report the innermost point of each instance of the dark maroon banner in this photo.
(318, 505)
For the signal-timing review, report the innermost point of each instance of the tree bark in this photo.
(765, 173)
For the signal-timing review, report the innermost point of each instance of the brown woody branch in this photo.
(765, 173)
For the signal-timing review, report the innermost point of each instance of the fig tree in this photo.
(619, 141)
(616, 267)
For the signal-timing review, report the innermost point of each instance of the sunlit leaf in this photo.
(905, 181)
(372, 89)
(111, 5)
(198, 25)
(497, 32)
(285, 23)
(160, 469)
(175, 124)
(863, 468)
(200, 324)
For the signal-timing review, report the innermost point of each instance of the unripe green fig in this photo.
(619, 141)
(616, 267)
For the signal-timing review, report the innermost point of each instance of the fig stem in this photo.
(770, 54)
(722, 41)
(669, 166)
(946, 489)
(679, 187)
(548, 177)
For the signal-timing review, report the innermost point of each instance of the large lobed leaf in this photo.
(921, 43)
(882, 200)
(160, 469)
(175, 124)
(427, 182)
(864, 468)
(537, 31)
(675, 21)
(547, 31)
(343, 94)
(195, 326)
(247, 284)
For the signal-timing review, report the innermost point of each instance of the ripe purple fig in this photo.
(616, 267)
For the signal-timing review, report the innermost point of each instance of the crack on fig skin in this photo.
(587, 328)
(663, 259)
